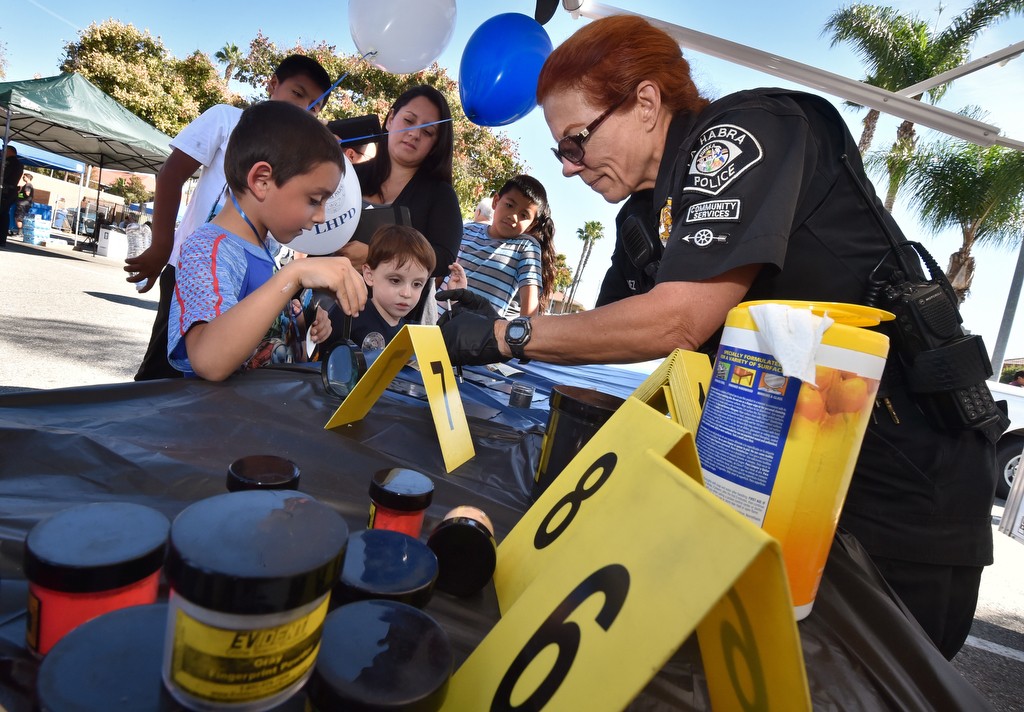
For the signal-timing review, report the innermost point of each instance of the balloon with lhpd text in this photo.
(341, 215)
(499, 69)
(406, 36)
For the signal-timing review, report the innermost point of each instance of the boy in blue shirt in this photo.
(231, 307)
(298, 80)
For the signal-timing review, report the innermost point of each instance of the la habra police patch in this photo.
(724, 153)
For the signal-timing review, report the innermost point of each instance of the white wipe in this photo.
(793, 336)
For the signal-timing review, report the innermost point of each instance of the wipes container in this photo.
(779, 449)
(250, 575)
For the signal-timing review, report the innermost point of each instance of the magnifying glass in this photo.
(343, 368)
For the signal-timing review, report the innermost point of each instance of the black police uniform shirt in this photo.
(624, 277)
(756, 178)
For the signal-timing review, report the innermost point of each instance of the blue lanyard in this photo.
(293, 324)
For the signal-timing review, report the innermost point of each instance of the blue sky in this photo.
(35, 31)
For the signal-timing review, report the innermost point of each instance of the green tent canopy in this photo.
(68, 115)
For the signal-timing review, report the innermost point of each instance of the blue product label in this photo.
(743, 428)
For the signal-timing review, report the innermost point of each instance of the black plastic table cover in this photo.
(167, 444)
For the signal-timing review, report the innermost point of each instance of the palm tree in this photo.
(591, 232)
(902, 50)
(976, 188)
(230, 55)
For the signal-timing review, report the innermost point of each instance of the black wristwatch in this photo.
(517, 336)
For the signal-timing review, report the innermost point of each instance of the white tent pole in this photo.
(78, 212)
(1006, 325)
(835, 84)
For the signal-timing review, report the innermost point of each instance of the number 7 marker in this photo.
(426, 343)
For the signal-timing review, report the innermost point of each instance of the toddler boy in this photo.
(398, 266)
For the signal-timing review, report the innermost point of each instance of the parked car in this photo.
(1010, 446)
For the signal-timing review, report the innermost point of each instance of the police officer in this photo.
(753, 200)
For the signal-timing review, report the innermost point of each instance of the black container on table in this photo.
(576, 414)
(262, 472)
(383, 564)
(466, 551)
(381, 655)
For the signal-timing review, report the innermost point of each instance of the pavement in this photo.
(70, 319)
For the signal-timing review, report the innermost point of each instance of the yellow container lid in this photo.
(844, 333)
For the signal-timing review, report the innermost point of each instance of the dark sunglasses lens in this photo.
(570, 150)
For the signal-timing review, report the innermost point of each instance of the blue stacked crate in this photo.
(35, 228)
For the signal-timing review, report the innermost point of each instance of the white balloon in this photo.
(407, 36)
(341, 215)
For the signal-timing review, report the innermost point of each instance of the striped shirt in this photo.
(497, 269)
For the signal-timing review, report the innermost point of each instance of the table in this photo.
(167, 444)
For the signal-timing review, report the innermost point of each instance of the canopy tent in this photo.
(31, 156)
(68, 115)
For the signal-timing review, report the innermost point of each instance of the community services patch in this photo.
(724, 153)
(714, 211)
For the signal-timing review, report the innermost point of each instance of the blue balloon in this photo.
(499, 69)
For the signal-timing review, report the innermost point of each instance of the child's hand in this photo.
(322, 327)
(334, 274)
(456, 277)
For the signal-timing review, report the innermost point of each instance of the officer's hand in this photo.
(470, 340)
(465, 301)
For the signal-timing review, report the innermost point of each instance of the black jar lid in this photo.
(466, 555)
(114, 662)
(255, 552)
(381, 655)
(96, 547)
(381, 563)
(262, 472)
(110, 662)
(584, 403)
(401, 489)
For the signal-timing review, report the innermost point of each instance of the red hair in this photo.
(607, 59)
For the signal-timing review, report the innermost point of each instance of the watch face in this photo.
(516, 331)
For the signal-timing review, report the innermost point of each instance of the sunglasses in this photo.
(570, 148)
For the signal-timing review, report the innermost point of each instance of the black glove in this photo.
(465, 301)
(470, 340)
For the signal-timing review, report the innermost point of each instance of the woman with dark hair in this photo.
(413, 168)
(760, 194)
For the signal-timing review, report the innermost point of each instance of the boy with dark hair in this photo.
(232, 307)
(398, 266)
(298, 80)
(513, 257)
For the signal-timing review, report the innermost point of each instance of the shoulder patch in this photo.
(726, 210)
(724, 152)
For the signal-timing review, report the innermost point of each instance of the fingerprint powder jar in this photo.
(250, 575)
(109, 663)
(398, 500)
(88, 560)
(466, 551)
(387, 565)
(381, 656)
(113, 663)
(262, 472)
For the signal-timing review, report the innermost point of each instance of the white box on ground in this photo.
(112, 243)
